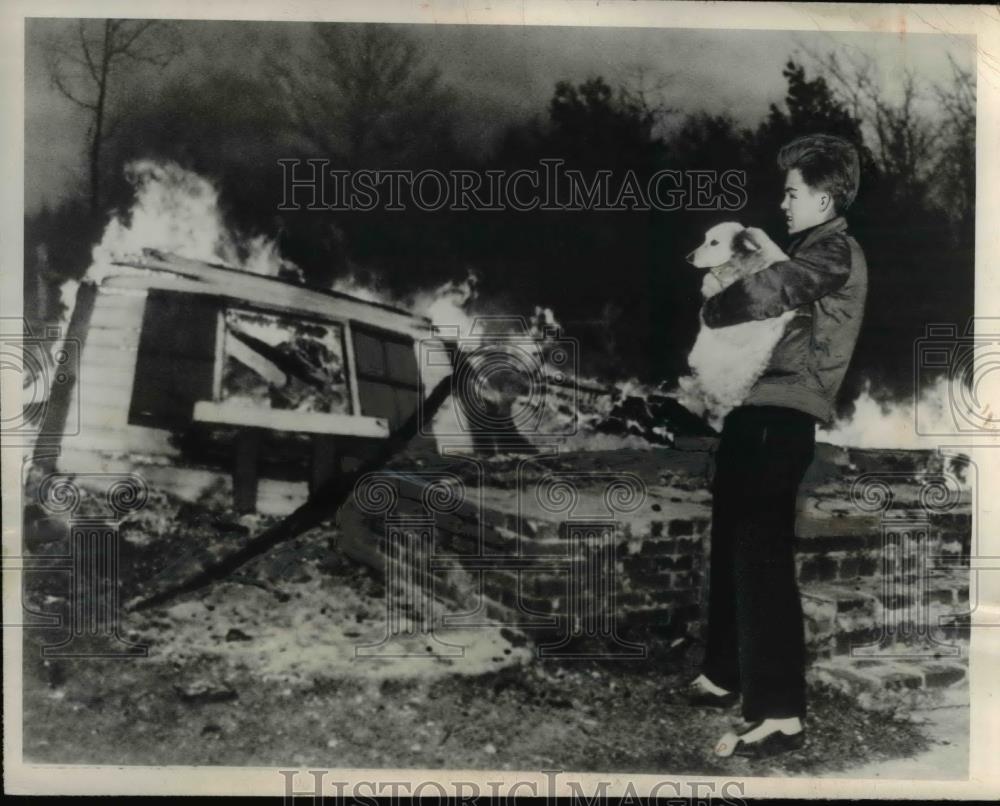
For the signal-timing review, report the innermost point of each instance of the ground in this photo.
(262, 671)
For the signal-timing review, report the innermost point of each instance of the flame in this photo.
(177, 211)
(901, 424)
(450, 305)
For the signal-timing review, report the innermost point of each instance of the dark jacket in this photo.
(825, 281)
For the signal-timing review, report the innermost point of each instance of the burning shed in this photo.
(206, 378)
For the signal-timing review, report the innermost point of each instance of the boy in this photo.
(755, 646)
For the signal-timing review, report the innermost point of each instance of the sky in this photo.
(500, 74)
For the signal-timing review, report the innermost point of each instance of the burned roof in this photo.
(230, 281)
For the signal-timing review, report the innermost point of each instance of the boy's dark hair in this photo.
(826, 162)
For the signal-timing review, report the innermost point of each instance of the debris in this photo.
(517, 639)
(200, 691)
(326, 499)
(275, 591)
(237, 635)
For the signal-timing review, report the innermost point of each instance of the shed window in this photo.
(388, 378)
(277, 361)
(175, 365)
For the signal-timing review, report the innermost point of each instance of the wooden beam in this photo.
(254, 360)
(351, 367)
(245, 455)
(322, 503)
(204, 278)
(307, 422)
(325, 462)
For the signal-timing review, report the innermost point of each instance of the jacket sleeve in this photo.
(813, 273)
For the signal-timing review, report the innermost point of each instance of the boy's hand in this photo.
(768, 250)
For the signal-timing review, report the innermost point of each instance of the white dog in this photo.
(727, 361)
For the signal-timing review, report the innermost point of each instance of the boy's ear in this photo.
(744, 243)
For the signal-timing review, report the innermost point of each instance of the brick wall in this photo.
(593, 574)
(616, 555)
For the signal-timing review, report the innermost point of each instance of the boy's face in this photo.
(804, 206)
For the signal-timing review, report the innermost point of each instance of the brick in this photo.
(535, 583)
(680, 527)
(847, 639)
(938, 675)
(544, 548)
(817, 567)
(895, 601)
(854, 601)
(683, 562)
(867, 565)
(822, 544)
(897, 680)
(658, 565)
(635, 599)
(957, 628)
(848, 568)
(661, 616)
(857, 565)
(658, 548)
(686, 613)
(673, 596)
(681, 580)
(941, 595)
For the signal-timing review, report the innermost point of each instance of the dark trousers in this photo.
(755, 632)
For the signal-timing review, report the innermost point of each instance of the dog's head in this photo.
(722, 243)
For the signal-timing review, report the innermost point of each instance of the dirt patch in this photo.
(579, 716)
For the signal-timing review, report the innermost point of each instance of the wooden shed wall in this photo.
(104, 384)
(102, 394)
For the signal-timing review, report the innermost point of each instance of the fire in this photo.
(175, 210)
(936, 415)
(178, 211)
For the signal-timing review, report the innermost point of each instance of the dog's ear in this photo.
(744, 243)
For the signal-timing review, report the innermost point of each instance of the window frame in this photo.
(346, 345)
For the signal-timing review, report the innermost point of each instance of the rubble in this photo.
(200, 691)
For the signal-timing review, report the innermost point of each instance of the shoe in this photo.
(771, 745)
(693, 695)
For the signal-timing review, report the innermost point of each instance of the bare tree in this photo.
(361, 92)
(904, 138)
(645, 90)
(932, 159)
(84, 66)
(955, 167)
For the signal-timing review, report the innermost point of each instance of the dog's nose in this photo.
(690, 257)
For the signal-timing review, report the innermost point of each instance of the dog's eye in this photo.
(714, 243)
